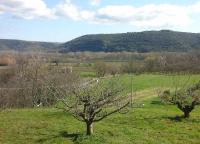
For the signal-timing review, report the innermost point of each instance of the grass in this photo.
(87, 74)
(146, 81)
(154, 123)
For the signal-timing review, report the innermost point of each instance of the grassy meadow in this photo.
(152, 123)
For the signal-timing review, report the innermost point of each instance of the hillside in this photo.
(20, 45)
(146, 41)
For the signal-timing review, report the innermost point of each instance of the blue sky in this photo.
(63, 20)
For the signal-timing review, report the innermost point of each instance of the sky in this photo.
(63, 20)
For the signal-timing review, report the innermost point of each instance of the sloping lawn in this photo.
(152, 123)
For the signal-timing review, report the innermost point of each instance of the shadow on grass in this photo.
(175, 119)
(156, 102)
(73, 137)
(182, 119)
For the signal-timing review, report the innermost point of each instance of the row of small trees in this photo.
(162, 63)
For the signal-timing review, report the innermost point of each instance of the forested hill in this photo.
(20, 45)
(147, 41)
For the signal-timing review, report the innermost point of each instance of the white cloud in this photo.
(195, 8)
(87, 15)
(153, 16)
(95, 2)
(26, 9)
(1, 11)
(148, 16)
(69, 10)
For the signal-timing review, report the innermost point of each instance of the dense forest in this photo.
(147, 41)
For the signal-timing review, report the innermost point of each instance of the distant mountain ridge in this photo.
(21, 45)
(147, 41)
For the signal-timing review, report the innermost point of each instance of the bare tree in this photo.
(36, 69)
(133, 67)
(92, 102)
(100, 68)
(113, 69)
(185, 99)
(23, 82)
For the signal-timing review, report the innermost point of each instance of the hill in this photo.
(20, 45)
(147, 41)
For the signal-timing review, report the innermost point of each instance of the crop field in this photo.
(147, 121)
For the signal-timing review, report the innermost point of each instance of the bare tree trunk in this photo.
(186, 110)
(186, 114)
(89, 128)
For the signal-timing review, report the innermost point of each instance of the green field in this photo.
(153, 123)
(149, 81)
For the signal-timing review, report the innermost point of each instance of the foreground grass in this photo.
(153, 123)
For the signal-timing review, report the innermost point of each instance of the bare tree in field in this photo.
(100, 68)
(92, 102)
(36, 70)
(31, 70)
(113, 69)
(186, 99)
